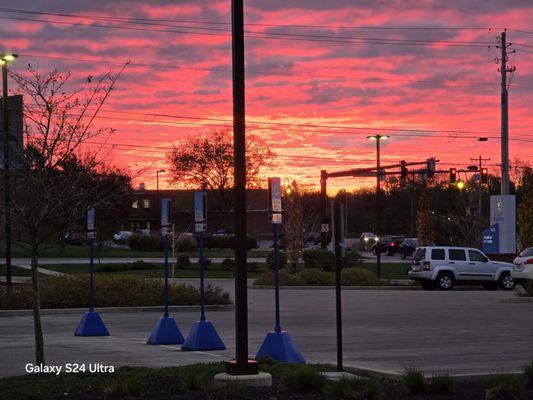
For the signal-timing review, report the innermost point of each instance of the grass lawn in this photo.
(153, 270)
(16, 271)
(53, 251)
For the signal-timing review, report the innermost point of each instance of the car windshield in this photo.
(527, 252)
(419, 254)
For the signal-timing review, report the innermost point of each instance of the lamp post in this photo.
(378, 139)
(5, 59)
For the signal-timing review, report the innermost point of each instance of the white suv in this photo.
(441, 267)
(523, 266)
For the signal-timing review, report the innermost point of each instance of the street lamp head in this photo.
(161, 171)
(6, 58)
(483, 139)
(378, 137)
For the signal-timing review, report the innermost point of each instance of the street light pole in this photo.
(378, 139)
(4, 60)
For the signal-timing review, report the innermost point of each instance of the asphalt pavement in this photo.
(459, 332)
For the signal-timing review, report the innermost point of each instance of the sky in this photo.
(320, 77)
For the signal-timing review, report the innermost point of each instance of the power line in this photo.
(272, 35)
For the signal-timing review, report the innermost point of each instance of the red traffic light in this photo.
(453, 175)
(484, 175)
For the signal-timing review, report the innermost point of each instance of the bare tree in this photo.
(54, 187)
(207, 162)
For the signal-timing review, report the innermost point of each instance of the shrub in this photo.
(183, 261)
(414, 380)
(502, 387)
(528, 372)
(228, 264)
(226, 391)
(314, 276)
(282, 259)
(302, 378)
(123, 387)
(319, 258)
(356, 389)
(252, 267)
(184, 242)
(145, 243)
(352, 259)
(267, 279)
(70, 291)
(442, 384)
(359, 277)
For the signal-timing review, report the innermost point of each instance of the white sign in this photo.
(199, 227)
(324, 228)
(276, 218)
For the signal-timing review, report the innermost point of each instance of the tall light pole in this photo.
(5, 59)
(378, 139)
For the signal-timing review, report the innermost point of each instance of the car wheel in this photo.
(506, 281)
(491, 286)
(427, 285)
(445, 281)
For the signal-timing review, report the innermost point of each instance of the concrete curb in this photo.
(517, 300)
(397, 376)
(111, 310)
(333, 287)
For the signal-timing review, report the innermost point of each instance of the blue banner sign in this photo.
(491, 239)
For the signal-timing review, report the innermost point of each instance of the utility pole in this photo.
(505, 114)
(480, 161)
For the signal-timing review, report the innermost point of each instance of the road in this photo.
(458, 332)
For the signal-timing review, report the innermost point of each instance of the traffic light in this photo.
(484, 175)
(431, 166)
(453, 175)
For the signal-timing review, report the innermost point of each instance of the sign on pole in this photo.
(165, 210)
(91, 217)
(275, 194)
(200, 211)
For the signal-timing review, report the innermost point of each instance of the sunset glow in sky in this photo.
(318, 79)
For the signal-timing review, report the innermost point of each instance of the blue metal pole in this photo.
(277, 328)
(91, 276)
(165, 249)
(202, 269)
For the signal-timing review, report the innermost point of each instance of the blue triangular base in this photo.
(203, 336)
(279, 347)
(166, 332)
(91, 324)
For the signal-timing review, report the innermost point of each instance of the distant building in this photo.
(146, 211)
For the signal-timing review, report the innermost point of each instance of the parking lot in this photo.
(458, 332)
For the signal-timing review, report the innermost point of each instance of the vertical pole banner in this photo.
(166, 330)
(203, 335)
(91, 323)
(278, 344)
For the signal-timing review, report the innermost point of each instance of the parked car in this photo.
(443, 267)
(523, 267)
(143, 232)
(408, 247)
(122, 236)
(74, 238)
(222, 232)
(367, 240)
(388, 244)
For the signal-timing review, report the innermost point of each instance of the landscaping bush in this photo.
(528, 372)
(285, 279)
(183, 261)
(414, 380)
(319, 258)
(226, 391)
(359, 277)
(228, 264)
(314, 276)
(145, 243)
(184, 242)
(355, 389)
(252, 267)
(70, 291)
(302, 378)
(442, 384)
(352, 259)
(282, 259)
(502, 387)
